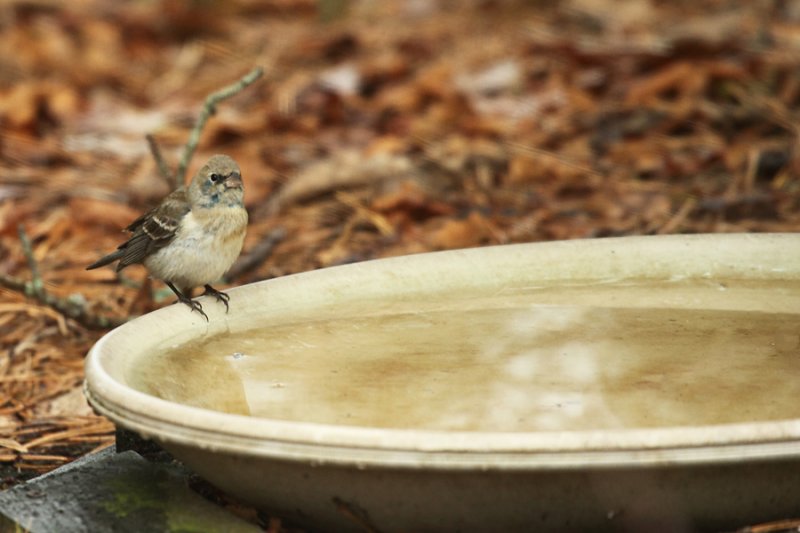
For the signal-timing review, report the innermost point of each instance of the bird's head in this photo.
(218, 182)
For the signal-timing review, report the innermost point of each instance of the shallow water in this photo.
(532, 359)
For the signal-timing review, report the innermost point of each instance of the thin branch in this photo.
(354, 512)
(163, 168)
(567, 162)
(677, 219)
(73, 307)
(209, 107)
(37, 286)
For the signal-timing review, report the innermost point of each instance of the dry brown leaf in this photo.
(94, 212)
(346, 169)
(464, 233)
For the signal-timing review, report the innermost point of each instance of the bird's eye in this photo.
(215, 177)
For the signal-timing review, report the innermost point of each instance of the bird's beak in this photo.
(234, 181)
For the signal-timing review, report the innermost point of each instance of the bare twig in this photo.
(677, 219)
(365, 214)
(73, 307)
(257, 255)
(36, 284)
(356, 514)
(567, 162)
(163, 168)
(209, 107)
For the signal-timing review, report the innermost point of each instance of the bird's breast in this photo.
(204, 248)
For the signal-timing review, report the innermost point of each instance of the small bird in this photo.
(193, 236)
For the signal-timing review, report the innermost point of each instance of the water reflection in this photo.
(513, 364)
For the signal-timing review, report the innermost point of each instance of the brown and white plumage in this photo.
(193, 236)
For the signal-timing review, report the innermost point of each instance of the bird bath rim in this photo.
(600, 259)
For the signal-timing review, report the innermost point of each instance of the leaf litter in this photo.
(379, 129)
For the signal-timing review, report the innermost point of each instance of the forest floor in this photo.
(378, 129)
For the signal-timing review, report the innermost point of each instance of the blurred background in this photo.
(379, 128)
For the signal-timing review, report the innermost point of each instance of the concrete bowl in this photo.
(403, 463)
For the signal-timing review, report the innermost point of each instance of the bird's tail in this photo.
(110, 258)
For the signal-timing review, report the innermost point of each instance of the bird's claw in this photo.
(182, 298)
(219, 295)
(194, 306)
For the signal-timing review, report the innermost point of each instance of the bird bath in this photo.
(604, 384)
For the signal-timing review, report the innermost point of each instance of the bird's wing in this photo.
(154, 229)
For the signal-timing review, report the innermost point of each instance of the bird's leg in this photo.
(194, 306)
(219, 295)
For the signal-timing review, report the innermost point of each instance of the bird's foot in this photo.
(186, 300)
(194, 306)
(219, 295)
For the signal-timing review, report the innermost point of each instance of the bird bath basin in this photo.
(606, 384)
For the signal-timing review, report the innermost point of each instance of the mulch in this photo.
(378, 129)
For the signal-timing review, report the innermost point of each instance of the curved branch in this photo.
(209, 107)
